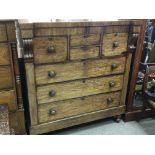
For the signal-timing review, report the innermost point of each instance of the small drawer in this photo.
(77, 70)
(3, 34)
(5, 78)
(8, 97)
(84, 52)
(84, 40)
(114, 44)
(4, 54)
(79, 88)
(63, 109)
(50, 49)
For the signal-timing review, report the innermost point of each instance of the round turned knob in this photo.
(109, 100)
(52, 112)
(111, 84)
(115, 44)
(116, 34)
(114, 66)
(51, 49)
(52, 93)
(51, 74)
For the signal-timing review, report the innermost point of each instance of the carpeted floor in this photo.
(110, 127)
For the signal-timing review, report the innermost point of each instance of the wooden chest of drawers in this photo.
(77, 72)
(10, 86)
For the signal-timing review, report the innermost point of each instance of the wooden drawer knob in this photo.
(51, 74)
(109, 100)
(115, 44)
(111, 84)
(52, 93)
(51, 49)
(52, 112)
(114, 66)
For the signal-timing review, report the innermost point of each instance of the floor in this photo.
(110, 127)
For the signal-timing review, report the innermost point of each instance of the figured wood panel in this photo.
(3, 35)
(78, 70)
(6, 77)
(9, 98)
(81, 53)
(78, 88)
(110, 39)
(41, 45)
(82, 40)
(4, 54)
(77, 106)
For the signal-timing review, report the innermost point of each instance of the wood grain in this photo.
(78, 106)
(6, 77)
(78, 70)
(82, 40)
(4, 54)
(11, 32)
(31, 93)
(3, 35)
(108, 41)
(126, 79)
(80, 53)
(78, 88)
(40, 49)
(79, 119)
(8, 97)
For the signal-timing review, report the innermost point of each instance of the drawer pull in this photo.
(52, 112)
(51, 74)
(111, 84)
(115, 44)
(51, 49)
(114, 66)
(116, 34)
(109, 100)
(52, 93)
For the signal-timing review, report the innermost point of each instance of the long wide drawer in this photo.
(77, 70)
(6, 77)
(62, 109)
(8, 97)
(50, 49)
(73, 89)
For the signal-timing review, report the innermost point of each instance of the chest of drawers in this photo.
(77, 72)
(10, 85)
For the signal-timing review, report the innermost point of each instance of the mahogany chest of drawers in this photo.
(10, 85)
(77, 72)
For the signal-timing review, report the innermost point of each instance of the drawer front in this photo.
(84, 52)
(5, 78)
(84, 40)
(63, 109)
(53, 49)
(8, 97)
(114, 44)
(73, 89)
(3, 34)
(4, 54)
(77, 70)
